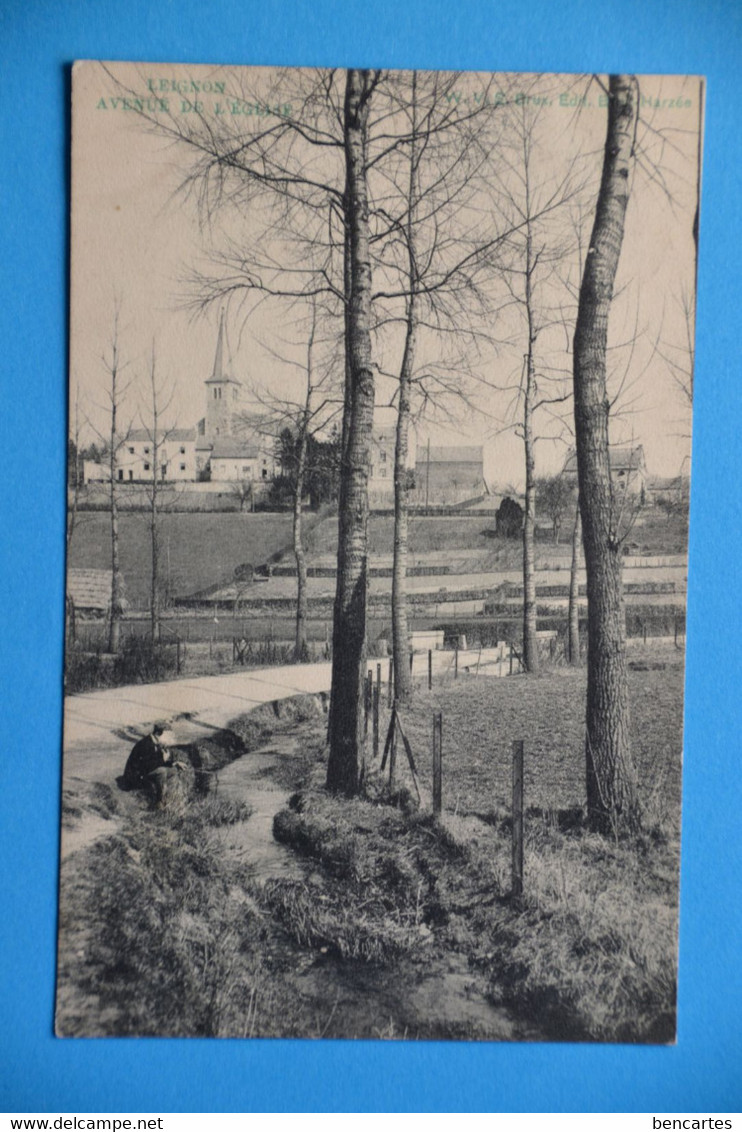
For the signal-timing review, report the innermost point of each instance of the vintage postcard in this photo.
(379, 441)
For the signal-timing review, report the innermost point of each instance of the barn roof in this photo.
(623, 459)
(89, 589)
(453, 454)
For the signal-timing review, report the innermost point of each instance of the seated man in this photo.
(150, 765)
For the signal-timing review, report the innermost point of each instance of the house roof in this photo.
(623, 459)
(232, 448)
(89, 589)
(453, 454)
(668, 483)
(174, 435)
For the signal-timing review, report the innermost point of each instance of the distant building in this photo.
(448, 474)
(225, 450)
(175, 452)
(233, 460)
(628, 469)
(383, 442)
(220, 447)
(223, 397)
(383, 448)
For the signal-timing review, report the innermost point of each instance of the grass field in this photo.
(197, 550)
(590, 952)
(201, 550)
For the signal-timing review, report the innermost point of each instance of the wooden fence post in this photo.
(517, 872)
(456, 664)
(390, 689)
(393, 749)
(376, 721)
(412, 657)
(430, 669)
(437, 762)
(511, 658)
(367, 689)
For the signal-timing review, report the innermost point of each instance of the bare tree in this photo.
(116, 390)
(300, 422)
(431, 254)
(345, 768)
(75, 472)
(243, 492)
(534, 200)
(611, 779)
(555, 498)
(160, 401)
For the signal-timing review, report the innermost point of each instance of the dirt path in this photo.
(431, 995)
(428, 996)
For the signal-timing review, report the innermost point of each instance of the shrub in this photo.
(139, 661)
(82, 670)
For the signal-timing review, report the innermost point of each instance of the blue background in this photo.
(39, 40)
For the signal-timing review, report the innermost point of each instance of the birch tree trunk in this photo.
(114, 625)
(400, 628)
(573, 642)
(611, 781)
(530, 640)
(346, 758)
(300, 645)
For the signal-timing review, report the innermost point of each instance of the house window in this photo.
(382, 456)
(146, 451)
(121, 473)
(382, 473)
(265, 473)
(131, 474)
(131, 451)
(182, 467)
(146, 467)
(182, 450)
(245, 468)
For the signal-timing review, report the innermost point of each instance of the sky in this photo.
(135, 240)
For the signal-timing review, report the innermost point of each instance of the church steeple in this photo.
(222, 393)
(218, 371)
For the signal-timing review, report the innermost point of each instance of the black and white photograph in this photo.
(380, 398)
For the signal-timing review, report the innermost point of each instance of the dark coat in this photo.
(146, 755)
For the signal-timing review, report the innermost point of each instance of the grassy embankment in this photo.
(590, 952)
(159, 929)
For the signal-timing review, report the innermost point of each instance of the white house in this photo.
(174, 449)
(234, 460)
